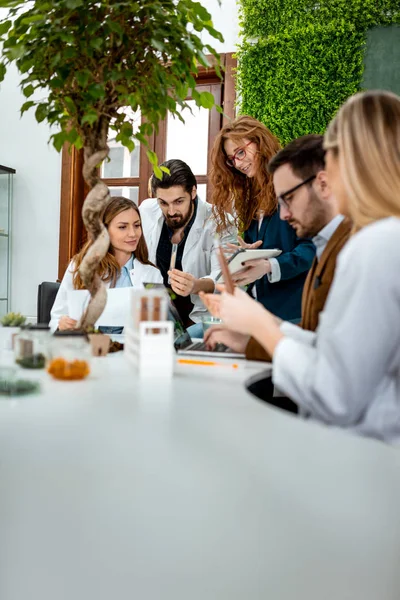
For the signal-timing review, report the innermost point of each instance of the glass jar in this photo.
(31, 346)
(69, 355)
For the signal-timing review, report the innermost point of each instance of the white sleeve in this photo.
(357, 338)
(297, 333)
(275, 274)
(60, 306)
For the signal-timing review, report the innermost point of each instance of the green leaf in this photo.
(128, 143)
(59, 140)
(201, 11)
(115, 27)
(3, 71)
(165, 170)
(158, 45)
(158, 172)
(4, 27)
(152, 156)
(82, 78)
(96, 91)
(41, 112)
(89, 118)
(207, 100)
(26, 106)
(78, 143)
(96, 43)
(16, 52)
(28, 91)
(74, 3)
(32, 19)
(70, 105)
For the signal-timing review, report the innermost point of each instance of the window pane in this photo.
(122, 163)
(202, 191)
(3, 308)
(4, 192)
(189, 141)
(127, 192)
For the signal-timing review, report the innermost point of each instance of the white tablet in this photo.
(240, 257)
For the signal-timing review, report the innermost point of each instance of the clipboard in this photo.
(242, 255)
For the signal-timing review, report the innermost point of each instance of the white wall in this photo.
(36, 211)
(23, 146)
(225, 19)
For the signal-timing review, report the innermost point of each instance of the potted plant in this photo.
(10, 326)
(84, 62)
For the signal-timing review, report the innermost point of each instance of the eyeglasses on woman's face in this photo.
(240, 154)
(283, 199)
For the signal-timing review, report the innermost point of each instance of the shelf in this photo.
(4, 170)
(3, 234)
(3, 299)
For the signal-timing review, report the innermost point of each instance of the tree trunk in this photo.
(95, 151)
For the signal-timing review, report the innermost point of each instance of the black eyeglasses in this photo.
(286, 203)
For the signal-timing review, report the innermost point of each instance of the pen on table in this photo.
(206, 363)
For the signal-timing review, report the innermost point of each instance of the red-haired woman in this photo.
(125, 264)
(242, 186)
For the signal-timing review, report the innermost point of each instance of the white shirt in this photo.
(347, 373)
(321, 240)
(138, 275)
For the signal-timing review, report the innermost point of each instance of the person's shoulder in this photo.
(72, 266)
(377, 243)
(383, 234)
(148, 205)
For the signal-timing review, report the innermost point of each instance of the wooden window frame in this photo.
(74, 188)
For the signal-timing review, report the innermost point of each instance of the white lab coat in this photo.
(200, 257)
(138, 275)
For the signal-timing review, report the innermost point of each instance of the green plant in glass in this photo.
(84, 62)
(12, 319)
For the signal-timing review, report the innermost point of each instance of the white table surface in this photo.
(115, 488)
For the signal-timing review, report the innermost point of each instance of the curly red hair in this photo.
(231, 189)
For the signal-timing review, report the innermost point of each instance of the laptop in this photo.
(183, 342)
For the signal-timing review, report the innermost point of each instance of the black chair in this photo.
(261, 386)
(47, 292)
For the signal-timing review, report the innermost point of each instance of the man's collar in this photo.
(327, 232)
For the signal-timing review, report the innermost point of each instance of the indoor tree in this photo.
(87, 66)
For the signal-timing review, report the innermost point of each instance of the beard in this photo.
(178, 221)
(314, 218)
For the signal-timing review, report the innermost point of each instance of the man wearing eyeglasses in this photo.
(306, 202)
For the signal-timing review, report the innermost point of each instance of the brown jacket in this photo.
(316, 288)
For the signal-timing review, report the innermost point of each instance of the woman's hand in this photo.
(232, 248)
(218, 334)
(211, 302)
(66, 322)
(253, 270)
(240, 313)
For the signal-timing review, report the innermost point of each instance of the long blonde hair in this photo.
(365, 135)
(109, 269)
(232, 189)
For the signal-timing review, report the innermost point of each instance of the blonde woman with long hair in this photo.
(126, 263)
(348, 373)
